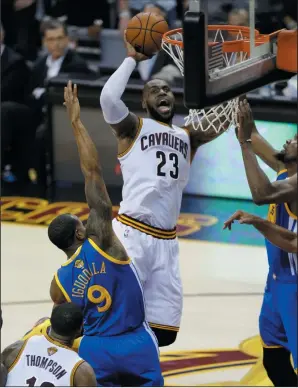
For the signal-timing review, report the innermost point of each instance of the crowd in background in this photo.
(22, 20)
(43, 38)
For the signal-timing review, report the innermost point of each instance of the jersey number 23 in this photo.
(173, 158)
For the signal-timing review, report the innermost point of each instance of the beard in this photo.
(158, 117)
(284, 158)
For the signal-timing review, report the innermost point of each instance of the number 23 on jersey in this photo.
(173, 159)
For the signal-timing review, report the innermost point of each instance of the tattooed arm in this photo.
(99, 224)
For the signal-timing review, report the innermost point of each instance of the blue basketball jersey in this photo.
(107, 289)
(282, 264)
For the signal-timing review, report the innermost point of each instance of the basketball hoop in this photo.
(227, 46)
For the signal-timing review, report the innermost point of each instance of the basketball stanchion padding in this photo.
(287, 51)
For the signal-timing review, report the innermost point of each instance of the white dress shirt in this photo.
(54, 66)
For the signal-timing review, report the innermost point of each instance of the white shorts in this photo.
(157, 263)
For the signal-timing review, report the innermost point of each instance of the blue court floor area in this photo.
(222, 209)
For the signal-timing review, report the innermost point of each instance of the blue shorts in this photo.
(278, 318)
(130, 359)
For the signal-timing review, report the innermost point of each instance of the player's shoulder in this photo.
(13, 348)
(151, 122)
(76, 257)
(76, 344)
(115, 253)
(183, 129)
(12, 353)
(38, 329)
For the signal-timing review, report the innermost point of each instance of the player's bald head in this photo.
(67, 319)
(65, 230)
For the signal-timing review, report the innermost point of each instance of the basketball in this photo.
(144, 32)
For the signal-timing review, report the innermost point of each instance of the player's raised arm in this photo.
(115, 112)
(281, 237)
(99, 224)
(263, 191)
(263, 149)
(97, 196)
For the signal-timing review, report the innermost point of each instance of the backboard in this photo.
(204, 88)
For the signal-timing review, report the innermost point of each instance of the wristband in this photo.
(245, 141)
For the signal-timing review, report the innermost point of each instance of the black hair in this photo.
(62, 231)
(53, 24)
(67, 319)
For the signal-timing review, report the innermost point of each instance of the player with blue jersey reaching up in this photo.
(278, 317)
(283, 238)
(100, 278)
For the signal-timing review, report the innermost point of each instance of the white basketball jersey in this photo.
(42, 362)
(155, 171)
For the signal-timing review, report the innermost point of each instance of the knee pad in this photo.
(277, 364)
(164, 337)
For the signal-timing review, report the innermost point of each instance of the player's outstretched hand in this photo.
(245, 120)
(131, 51)
(242, 217)
(71, 102)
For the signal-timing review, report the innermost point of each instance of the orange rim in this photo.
(239, 45)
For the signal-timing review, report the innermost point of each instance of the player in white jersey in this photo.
(155, 158)
(47, 360)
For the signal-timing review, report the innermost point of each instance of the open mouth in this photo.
(164, 106)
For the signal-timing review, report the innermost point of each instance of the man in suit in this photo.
(58, 59)
(14, 72)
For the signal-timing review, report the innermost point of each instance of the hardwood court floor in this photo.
(223, 285)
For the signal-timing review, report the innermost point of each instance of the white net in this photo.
(206, 119)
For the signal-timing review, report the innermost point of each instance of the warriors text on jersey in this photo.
(43, 362)
(107, 289)
(282, 265)
(155, 171)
